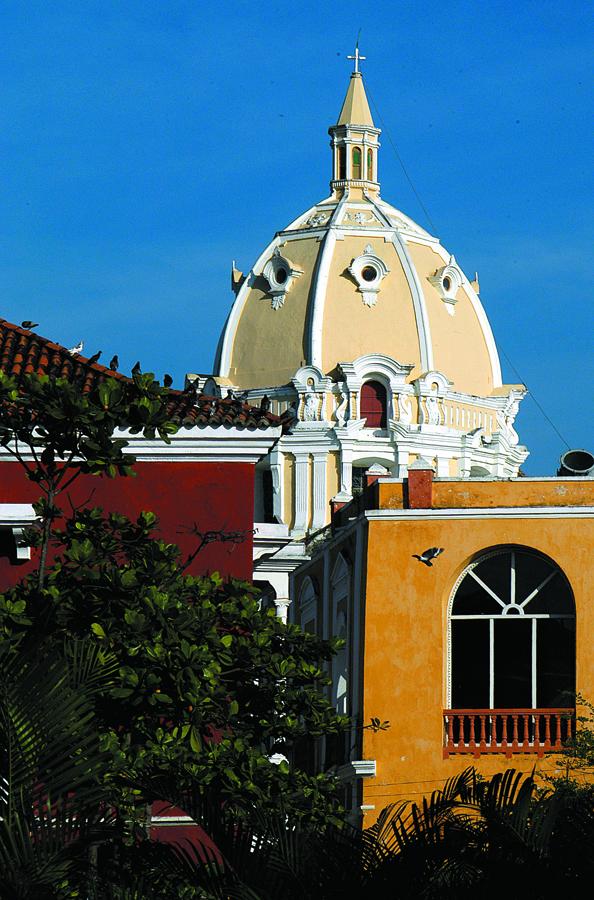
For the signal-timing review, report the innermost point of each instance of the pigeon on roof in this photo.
(74, 351)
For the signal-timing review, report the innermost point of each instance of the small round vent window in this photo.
(447, 283)
(369, 273)
(280, 275)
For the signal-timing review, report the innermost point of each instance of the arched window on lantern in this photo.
(342, 163)
(369, 164)
(356, 157)
(374, 405)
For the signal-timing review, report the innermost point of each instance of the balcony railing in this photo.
(507, 731)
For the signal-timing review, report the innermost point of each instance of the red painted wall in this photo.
(210, 495)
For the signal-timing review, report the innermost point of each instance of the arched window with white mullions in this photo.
(340, 583)
(307, 607)
(511, 634)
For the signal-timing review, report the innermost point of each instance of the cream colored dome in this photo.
(352, 276)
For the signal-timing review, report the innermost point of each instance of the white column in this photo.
(346, 472)
(276, 469)
(443, 467)
(402, 462)
(301, 492)
(282, 608)
(319, 491)
(326, 611)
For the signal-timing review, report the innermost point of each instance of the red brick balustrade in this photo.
(507, 731)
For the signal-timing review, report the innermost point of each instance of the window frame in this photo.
(468, 570)
(374, 380)
(340, 592)
(308, 604)
(359, 177)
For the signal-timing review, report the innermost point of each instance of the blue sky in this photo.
(144, 145)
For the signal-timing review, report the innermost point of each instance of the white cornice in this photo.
(358, 768)
(205, 445)
(16, 514)
(192, 445)
(515, 512)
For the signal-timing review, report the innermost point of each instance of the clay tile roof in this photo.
(23, 352)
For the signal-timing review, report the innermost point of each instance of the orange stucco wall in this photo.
(405, 625)
(529, 492)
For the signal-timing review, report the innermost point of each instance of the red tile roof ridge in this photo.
(23, 351)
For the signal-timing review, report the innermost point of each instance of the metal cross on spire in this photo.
(357, 57)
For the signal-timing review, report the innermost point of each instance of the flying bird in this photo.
(94, 358)
(114, 363)
(136, 370)
(28, 324)
(74, 351)
(427, 555)
(167, 380)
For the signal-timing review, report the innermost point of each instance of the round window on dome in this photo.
(447, 283)
(280, 275)
(369, 273)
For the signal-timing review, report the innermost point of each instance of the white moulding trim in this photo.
(511, 512)
(204, 445)
(171, 820)
(16, 514)
(418, 298)
(358, 768)
(319, 288)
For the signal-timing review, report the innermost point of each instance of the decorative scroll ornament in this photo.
(342, 408)
(368, 270)
(280, 274)
(448, 281)
(360, 218)
(506, 417)
(310, 407)
(318, 218)
(405, 413)
(404, 225)
(433, 415)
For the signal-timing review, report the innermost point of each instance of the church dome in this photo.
(354, 276)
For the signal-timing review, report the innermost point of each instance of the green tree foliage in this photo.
(475, 837)
(58, 431)
(52, 767)
(208, 685)
(579, 752)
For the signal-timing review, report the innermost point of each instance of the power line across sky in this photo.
(145, 146)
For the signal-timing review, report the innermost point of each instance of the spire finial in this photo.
(357, 56)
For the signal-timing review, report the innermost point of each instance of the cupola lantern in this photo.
(354, 141)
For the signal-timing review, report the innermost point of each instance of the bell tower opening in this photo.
(355, 138)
